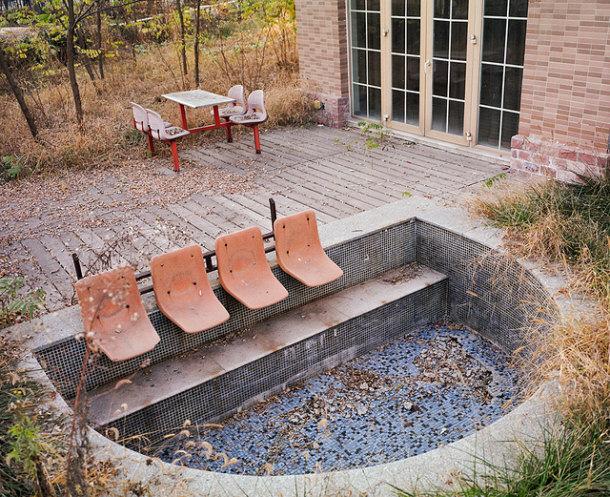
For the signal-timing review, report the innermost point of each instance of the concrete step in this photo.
(162, 382)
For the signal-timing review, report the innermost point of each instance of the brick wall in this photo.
(565, 104)
(322, 46)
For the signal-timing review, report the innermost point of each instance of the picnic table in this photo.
(196, 99)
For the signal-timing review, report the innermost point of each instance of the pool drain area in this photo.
(428, 388)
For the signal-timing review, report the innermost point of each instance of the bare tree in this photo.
(196, 44)
(73, 20)
(182, 36)
(100, 53)
(18, 93)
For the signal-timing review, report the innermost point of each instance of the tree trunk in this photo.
(196, 44)
(182, 37)
(100, 55)
(78, 106)
(18, 94)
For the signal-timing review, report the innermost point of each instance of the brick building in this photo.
(525, 80)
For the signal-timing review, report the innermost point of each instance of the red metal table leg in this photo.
(216, 115)
(175, 155)
(151, 144)
(229, 135)
(183, 117)
(257, 141)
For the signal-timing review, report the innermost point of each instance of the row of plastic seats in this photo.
(113, 314)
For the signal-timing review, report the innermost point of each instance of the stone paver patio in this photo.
(327, 170)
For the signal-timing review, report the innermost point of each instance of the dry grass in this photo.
(580, 354)
(109, 137)
(569, 224)
(560, 223)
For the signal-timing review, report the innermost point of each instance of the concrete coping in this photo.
(498, 443)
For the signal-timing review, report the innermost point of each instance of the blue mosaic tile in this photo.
(428, 388)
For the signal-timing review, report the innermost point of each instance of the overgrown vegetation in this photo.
(573, 464)
(23, 446)
(562, 222)
(569, 224)
(13, 305)
(136, 51)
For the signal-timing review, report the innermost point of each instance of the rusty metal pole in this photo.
(77, 266)
(273, 212)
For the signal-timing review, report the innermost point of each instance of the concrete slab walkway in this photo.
(127, 220)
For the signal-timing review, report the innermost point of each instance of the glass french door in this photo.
(449, 59)
(448, 69)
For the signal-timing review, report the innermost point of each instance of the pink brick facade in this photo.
(565, 104)
(322, 46)
(565, 101)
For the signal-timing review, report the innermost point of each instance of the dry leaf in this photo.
(120, 383)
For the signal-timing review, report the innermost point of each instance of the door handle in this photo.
(426, 66)
(385, 32)
(473, 39)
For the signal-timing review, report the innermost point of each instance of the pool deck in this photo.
(327, 170)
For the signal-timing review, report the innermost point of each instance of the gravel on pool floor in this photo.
(428, 388)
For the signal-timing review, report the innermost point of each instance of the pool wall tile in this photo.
(242, 387)
(362, 258)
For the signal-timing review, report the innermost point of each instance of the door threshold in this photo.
(501, 157)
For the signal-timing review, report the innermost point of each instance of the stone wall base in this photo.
(558, 160)
(336, 110)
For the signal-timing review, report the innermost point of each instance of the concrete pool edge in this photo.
(525, 423)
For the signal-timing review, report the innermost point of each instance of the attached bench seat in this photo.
(114, 318)
(183, 291)
(165, 134)
(299, 251)
(243, 269)
(256, 114)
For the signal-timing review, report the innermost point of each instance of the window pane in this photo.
(413, 73)
(489, 126)
(494, 32)
(398, 71)
(359, 93)
(495, 7)
(459, 9)
(512, 88)
(398, 106)
(442, 8)
(413, 36)
(518, 8)
(373, 31)
(491, 85)
(375, 104)
(413, 109)
(374, 68)
(510, 127)
(456, 117)
(439, 80)
(441, 39)
(457, 85)
(439, 114)
(459, 38)
(359, 29)
(398, 35)
(413, 8)
(359, 63)
(398, 7)
(357, 4)
(372, 5)
(516, 42)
